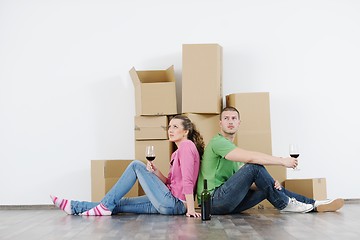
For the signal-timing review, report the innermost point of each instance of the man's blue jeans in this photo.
(158, 198)
(235, 195)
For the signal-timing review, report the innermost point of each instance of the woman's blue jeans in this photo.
(235, 195)
(158, 198)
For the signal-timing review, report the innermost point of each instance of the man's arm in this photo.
(245, 156)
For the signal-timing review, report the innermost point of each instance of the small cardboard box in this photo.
(105, 173)
(206, 124)
(151, 127)
(155, 92)
(201, 78)
(314, 188)
(163, 151)
(255, 129)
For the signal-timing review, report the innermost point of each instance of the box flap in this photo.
(134, 77)
(155, 76)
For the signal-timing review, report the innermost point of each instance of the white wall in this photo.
(66, 96)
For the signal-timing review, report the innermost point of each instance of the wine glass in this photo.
(150, 153)
(294, 152)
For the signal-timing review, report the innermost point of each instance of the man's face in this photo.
(229, 122)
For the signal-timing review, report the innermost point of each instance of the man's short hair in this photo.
(231, 109)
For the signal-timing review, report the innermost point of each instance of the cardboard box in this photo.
(314, 188)
(155, 92)
(163, 151)
(151, 127)
(201, 78)
(105, 173)
(206, 124)
(255, 129)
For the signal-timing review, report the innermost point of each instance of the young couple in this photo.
(236, 178)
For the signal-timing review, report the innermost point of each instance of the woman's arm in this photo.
(189, 164)
(190, 205)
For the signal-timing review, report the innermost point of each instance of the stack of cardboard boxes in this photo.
(155, 99)
(202, 101)
(155, 103)
(255, 129)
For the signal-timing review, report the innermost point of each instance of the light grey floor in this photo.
(254, 224)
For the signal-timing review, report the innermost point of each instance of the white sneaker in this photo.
(329, 205)
(297, 207)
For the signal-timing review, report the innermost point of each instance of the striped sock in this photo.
(63, 204)
(99, 210)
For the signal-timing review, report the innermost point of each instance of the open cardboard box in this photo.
(155, 92)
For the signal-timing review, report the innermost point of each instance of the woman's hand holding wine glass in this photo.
(150, 156)
(150, 153)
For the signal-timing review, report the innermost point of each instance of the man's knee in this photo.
(253, 166)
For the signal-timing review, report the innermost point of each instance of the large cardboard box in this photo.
(151, 127)
(155, 92)
(163, 151)
(314, 188)
(105, 173)
(206, 124)
(255, 128)
(201, 78)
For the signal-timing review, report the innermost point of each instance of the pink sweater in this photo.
(184, 170)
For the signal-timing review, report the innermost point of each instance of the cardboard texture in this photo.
(151, 127)
(255, 129)
(314, 188)
(201, 78)
(206, 124)
(163, 150)
(155, 92)
(105, 173)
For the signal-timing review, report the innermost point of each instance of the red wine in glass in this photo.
(150, 158)
(150, 153)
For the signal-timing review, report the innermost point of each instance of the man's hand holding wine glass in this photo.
(294, 153)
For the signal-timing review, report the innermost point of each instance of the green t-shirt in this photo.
(214, 167)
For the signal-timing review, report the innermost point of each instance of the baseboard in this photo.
(352, 201)
(51, 207)
(27, 207)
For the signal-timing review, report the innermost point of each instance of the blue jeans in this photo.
(158, 198)
(235, 195)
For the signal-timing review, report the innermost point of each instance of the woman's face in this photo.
(176, 131)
